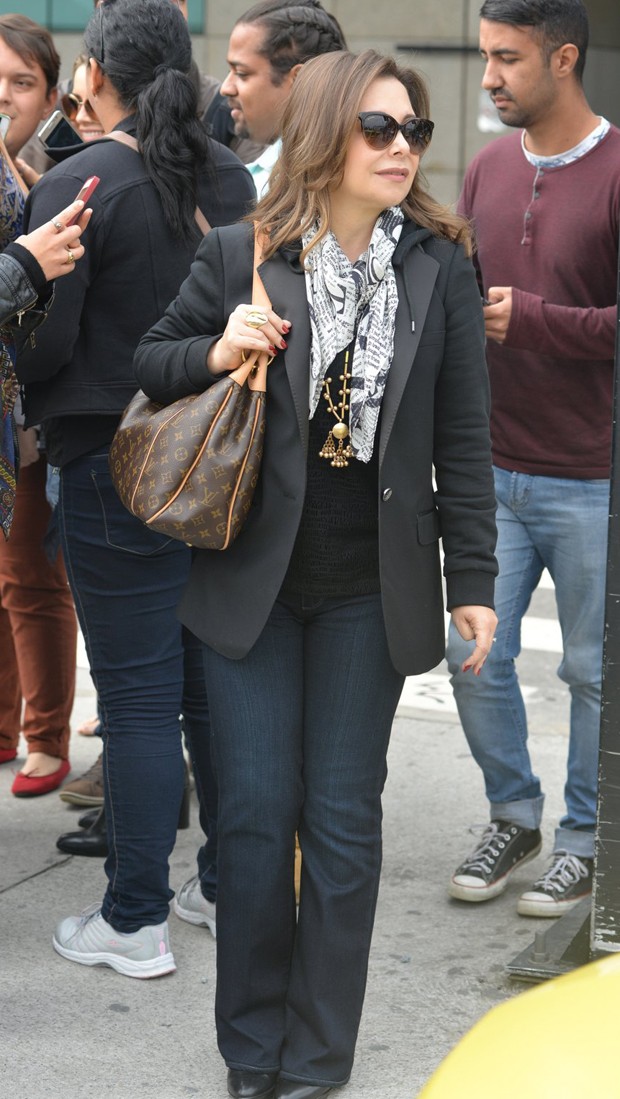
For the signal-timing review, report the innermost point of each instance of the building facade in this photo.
(438, 38)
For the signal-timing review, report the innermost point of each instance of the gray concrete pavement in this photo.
(71, 1032)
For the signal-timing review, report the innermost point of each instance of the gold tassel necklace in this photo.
(338, 455)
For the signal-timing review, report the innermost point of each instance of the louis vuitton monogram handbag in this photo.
(189, 469)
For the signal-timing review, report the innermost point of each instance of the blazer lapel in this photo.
(420, 271)
(287, 292)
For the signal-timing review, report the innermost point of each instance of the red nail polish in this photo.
(284, 345)
(273, 350)
(286, 325)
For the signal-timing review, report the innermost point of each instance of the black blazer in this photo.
(434, 413)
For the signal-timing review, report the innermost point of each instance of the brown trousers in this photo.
(38, 628)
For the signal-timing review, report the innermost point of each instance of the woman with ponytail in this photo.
(157, 178)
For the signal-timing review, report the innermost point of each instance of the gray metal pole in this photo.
(605, 927)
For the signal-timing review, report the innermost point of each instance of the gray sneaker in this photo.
(190, 905)
(90, 940)
(567, 881)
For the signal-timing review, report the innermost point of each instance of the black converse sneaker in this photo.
(502, 848)
(565, 883)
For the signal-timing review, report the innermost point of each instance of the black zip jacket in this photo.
(81, 365)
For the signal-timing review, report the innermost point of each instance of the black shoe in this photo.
(91, 841)
(88, 818)
(243, 1084)
(292, 1089)
(567, 881)
(502, 848)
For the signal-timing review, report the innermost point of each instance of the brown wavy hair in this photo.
(318, 121)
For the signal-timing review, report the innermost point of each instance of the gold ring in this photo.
(70, 256)
(58, 226)
(256, 318)
(242, 355)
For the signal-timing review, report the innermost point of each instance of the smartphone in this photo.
(5, 122)
(57, 133)
(84, 193)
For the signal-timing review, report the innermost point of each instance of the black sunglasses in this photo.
(379, 131)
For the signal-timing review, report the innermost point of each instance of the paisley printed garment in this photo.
(11, 218)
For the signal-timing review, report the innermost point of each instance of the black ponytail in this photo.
(144, 49)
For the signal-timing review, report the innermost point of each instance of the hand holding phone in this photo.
(84, 194)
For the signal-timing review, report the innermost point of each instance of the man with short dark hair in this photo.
(545, 203)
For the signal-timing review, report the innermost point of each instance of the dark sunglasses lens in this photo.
(70, 106)
(379, 130)
(418, 133)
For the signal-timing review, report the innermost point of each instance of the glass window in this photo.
(73, 15)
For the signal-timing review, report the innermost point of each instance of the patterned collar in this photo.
(561, 159)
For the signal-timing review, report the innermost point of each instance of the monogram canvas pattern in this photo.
(189, 470)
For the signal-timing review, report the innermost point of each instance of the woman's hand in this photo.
(55, 245)
(27, 438)
(476, 624)
(239, 336)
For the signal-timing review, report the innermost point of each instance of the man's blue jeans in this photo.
(301, 727)
(127, 581)
(561, 525)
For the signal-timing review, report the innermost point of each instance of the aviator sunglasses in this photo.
(71, 104)
(379, 131)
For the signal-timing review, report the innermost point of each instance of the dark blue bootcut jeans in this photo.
(301, 728)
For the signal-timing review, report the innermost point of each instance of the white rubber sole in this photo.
(157, 967)
(477, 893)
(532, 904)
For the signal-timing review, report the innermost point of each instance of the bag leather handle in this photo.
(254, 369)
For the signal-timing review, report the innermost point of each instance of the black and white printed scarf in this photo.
(357, 301)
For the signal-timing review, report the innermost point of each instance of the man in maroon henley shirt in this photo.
(545, 205)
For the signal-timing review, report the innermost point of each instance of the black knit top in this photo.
(337, 547)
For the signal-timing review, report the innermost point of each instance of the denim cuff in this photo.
(575, 842)
(525, 814)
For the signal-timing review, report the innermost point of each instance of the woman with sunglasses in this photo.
(127, 580)
(332, 593)
(76, 105)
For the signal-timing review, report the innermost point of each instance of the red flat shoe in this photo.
(31, 786)
(7, 754)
